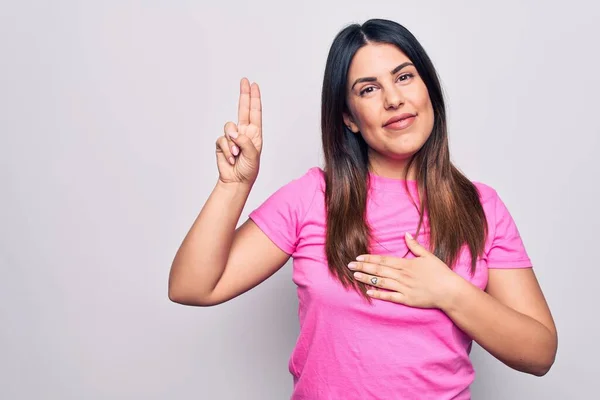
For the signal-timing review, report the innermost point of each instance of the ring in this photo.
(374, 280)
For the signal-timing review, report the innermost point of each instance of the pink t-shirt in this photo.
(348, 349)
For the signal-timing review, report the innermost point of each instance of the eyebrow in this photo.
(372, 79)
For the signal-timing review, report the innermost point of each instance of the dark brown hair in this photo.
(451, 201)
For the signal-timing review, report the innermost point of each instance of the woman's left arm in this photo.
(511, 319)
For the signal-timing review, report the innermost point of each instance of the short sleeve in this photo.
(506, 249)
(281, 216)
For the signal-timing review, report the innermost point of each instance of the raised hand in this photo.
(239, 149)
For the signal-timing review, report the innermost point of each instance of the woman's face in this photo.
(384, 86)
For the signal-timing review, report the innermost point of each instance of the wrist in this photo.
(456, 286)
(234, 188)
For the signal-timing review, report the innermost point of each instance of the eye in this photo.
(368, 89)
(405, 77)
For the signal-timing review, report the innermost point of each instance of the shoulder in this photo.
(314, 175)
(489, 200)
(505, 248)
(306, 184)
(299, 191)
(281, 216)
(486, 192)
(494, 207)
(489, 197)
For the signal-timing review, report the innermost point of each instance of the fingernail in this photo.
(231, 160)
(358, 275)
(408, 235)
(233, 134)
(370, 292)
(235, 150)
(352, 265)
(360, 258)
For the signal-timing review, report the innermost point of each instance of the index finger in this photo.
(388, 261)
(255, 106)
(244, 103)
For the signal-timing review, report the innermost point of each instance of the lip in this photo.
(400, 120)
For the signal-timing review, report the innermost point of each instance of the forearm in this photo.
(517, 340)
(203, 254)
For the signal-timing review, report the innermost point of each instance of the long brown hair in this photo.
(451, 201)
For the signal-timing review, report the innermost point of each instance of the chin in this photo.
(399, 148)
(404, 151)
(399, 154)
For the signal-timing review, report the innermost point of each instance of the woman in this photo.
(400, 261)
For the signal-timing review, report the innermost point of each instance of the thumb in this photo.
(414, 246)
(245, 144)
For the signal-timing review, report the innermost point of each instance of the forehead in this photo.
(376, 59)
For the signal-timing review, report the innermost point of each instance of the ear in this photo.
(349, 122)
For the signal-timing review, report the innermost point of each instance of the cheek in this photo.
(420, 98)
(366, 115)
(428, 112)
(423, 104)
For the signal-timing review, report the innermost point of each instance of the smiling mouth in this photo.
(402, 123)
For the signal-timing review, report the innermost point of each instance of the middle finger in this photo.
(377, 281)
(244, 102)
(374, 269)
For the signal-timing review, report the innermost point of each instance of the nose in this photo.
(393, 98)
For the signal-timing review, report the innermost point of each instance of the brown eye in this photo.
(366, 90)
(405, 77)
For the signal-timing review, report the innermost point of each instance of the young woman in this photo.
(400, 261)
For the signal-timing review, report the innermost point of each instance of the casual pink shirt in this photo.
(348, 349)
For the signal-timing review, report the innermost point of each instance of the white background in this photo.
(108, 116)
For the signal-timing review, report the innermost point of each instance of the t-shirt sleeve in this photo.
(281, 216)
(506, 248)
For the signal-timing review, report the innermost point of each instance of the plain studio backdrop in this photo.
(109, 112)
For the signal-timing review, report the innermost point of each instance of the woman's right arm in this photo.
(216, 262)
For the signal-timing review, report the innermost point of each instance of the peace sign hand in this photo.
(238, 151)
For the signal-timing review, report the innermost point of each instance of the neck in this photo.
(391, 168)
